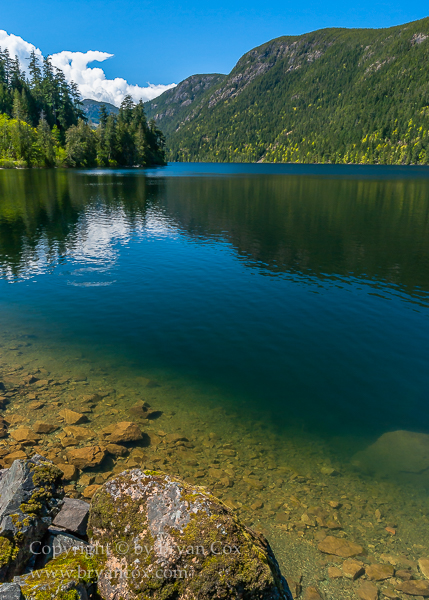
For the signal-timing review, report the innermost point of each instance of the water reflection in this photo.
(304, 295)
(377, 230)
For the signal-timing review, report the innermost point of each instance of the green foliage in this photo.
(127, 139)
(42, 123)
(81, 146)
(331, 96)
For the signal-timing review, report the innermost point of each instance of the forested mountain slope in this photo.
(176, 105)
(92, 108)
(334, 95)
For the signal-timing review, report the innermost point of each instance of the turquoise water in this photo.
(300, 292)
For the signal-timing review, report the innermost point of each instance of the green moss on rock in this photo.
(6, 551)
(173, 540)
(62, 578)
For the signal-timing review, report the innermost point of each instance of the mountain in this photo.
(176, 105)
(333, 95)
(91, 108)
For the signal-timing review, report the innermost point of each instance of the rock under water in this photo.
(396, 453)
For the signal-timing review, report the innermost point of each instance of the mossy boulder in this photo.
(71, 576)
(30, 496)
(163, 539)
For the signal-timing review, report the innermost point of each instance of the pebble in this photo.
(122, 432)
(89, 456)
(404, 574)
(71, 417)
(335, 573)
(378, 572)
(367, 591)
(69, 471)
(424, 566)
(41, 427)
(25, 436)
(353, 569)
(90, 490)
(414, 588)
(340, 547)
(311, 593)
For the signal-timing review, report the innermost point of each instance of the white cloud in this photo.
(91, 81)
(18, 47)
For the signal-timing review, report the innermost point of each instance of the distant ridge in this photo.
(91, 109)
(333, 95)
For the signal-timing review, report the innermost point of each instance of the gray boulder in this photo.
(58, 542)
(30, 496)
(52, 588)
(170, 539)
(73, 516)
(11, 591)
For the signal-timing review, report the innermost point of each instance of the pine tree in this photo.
(45, 142)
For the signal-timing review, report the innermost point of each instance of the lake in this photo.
(276, 315)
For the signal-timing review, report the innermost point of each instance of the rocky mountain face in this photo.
(177, 104)
(334, 95)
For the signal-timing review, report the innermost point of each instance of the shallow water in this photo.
(281, 310)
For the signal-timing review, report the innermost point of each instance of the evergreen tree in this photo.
(81, 146)
(48, 127)
(45, 143)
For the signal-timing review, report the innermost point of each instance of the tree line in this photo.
(42, 123)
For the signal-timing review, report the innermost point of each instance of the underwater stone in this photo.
(414, 588)
(395, 452)
(122, 432)
(89, 456)
(424, 566)
(72, 417)
(378, 572)
(340, 547)
(367, 591)
(177, 540)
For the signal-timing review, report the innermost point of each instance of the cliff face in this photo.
(176, 105)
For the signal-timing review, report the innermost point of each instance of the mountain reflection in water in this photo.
(302, 291)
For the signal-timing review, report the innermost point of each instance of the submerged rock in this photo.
(340, 547)
(30, 496)
(378, 572)
(367, 591)
(395, 452)
(414, 588)
(87, 457)
(122, 432)
(168, 539)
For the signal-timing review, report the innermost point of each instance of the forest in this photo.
(331, 96)
(42, 123)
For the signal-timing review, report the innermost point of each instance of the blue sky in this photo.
(164, 42)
